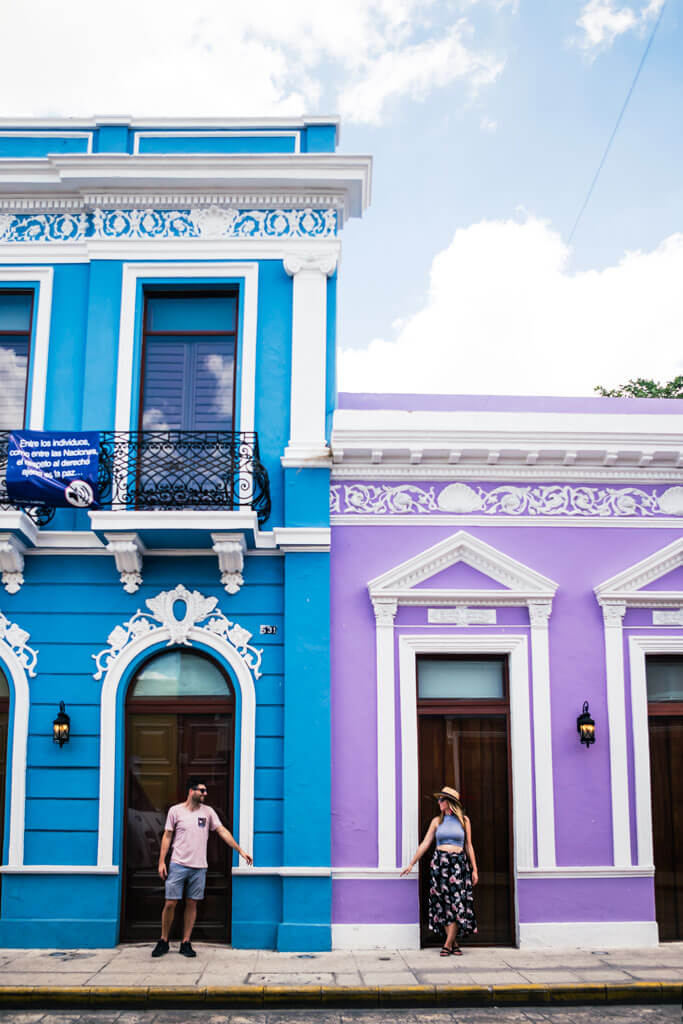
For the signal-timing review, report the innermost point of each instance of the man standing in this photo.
(187, 829)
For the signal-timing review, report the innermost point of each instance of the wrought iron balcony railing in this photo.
(170, 470)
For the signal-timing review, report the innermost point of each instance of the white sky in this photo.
(473, 110)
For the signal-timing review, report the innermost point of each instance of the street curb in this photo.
(296, 997)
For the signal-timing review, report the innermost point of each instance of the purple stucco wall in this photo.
(577, 559)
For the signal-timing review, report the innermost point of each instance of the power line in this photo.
(618, 122)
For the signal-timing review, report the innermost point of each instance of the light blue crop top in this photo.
(450, 832)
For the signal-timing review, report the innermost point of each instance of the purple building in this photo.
(496, 563)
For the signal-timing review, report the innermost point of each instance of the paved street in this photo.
(493, 1015)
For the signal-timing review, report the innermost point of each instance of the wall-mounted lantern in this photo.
(61, 726)
(586, 726)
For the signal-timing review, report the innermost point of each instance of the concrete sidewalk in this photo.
(127, 975)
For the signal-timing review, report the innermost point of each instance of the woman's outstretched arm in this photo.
(423, 847)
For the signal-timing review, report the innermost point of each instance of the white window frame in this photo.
(127, 376)
(28, 277)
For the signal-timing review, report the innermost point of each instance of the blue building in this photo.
(171, 286)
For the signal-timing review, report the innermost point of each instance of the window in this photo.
(16, 314)
(180, 674)
(664, 678)
(188, 371)
(452, 678)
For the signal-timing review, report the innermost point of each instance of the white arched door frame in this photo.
(20, 661)
(118, 673)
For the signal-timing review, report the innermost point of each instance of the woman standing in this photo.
(453, 872)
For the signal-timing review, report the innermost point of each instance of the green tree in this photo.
(642, 388)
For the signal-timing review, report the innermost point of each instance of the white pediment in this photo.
(628, 585)
(405, 582)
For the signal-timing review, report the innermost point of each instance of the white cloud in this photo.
(167, 57)
(487, 125)
(601, 21)
(505, 316)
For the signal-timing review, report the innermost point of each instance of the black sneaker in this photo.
(186, 949)
(160, 948)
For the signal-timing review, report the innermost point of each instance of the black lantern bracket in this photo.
(586, 726)
(61, 727)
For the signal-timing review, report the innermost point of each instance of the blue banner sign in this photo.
(51, 468)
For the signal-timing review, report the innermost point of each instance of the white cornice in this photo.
(126, 121)
(150, 249)
(264, 199)
(75, 174)
(627, 585)
(508, 470)
(455, 443)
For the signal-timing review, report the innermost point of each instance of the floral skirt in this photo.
(451, 895)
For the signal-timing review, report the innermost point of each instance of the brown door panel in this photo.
(470, 753)
(666, 774)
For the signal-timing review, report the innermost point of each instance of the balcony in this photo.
(160, 470)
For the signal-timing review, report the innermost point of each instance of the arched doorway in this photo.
(180, 716)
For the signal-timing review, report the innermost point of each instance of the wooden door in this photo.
(666, 775)
(163, 749)
(470, 752)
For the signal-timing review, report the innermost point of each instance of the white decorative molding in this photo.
(146, 631)
(556, 500)
(221, 272)
(20, 661)
(462, 616)
(372, 874)
(639, 647)
(589, 935)
(553, 470)
(230, 548)
(285, 871)
(523, 583)
(516, 648)
(668, 618)
(634, 871)
(613, 612)
(302, 538)
(43, 277)
(11, 562)
(399, 586)
(147, 224)
(309, 271)
(15, 639)
(376, 936)
(58, 869)
(229, 133)
(127, 549)
(527, 522)
(162, 612)
(627, 585)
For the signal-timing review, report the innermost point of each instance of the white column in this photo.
(309, 352)
(385, 611)
(539, 613)
(613, 614)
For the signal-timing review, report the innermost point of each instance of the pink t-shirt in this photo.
(191, 834)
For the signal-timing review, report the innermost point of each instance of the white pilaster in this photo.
(613, 614)
(539, 614)
(309, 351)
(385, 611)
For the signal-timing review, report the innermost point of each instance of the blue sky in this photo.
(486, 120)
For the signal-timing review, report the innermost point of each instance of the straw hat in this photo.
(448, 793)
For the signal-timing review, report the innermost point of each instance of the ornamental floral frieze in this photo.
(212, 222)
(200, 613)
(16, 640)
(506, 500)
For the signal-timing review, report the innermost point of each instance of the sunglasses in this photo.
(201, 789)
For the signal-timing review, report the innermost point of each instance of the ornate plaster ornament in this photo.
(16, 639)
(230, 548)
(613, 612)
(385, 611)
(506, 500)
(11, 562)
(213, 221)
(127, 550)
(668, 618)
(162, 617)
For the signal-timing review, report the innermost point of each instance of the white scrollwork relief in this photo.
(668, 618)
(162, 615)
(203, 222)
(16, 639)
(462, 616)
(506, 500)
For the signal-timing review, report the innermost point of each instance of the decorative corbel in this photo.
(127, 549)
(230, 548)
(11, 562)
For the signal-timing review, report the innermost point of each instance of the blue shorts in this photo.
(179, 877)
